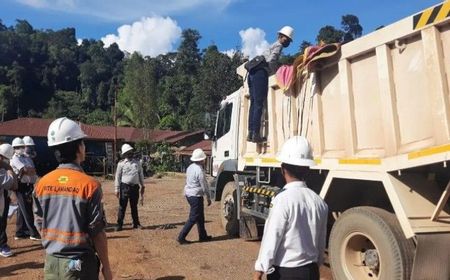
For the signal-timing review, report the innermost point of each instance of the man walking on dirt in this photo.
(294, 237)
(69, 210)
(196, 187)
(129, 176)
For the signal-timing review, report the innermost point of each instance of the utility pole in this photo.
(116, 89)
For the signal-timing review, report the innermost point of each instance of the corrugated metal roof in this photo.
(36, 127)
(205, 145)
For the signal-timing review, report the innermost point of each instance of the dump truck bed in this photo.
(381, 103)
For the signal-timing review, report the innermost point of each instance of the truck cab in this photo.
(226, 132)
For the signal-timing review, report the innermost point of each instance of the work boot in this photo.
(138, 226)
(258, 139)
(250, 136)
(183, 241)
(205, 239)
(118, 228)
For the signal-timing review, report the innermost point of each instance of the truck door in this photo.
(225, 140)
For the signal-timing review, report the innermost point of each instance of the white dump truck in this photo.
(377, 115)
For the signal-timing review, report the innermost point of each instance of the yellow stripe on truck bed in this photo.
(370, 161)
(429, 151)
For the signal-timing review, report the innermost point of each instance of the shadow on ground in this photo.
(9, 270)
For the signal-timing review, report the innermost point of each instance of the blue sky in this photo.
(154, 26)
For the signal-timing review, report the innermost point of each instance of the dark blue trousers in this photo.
(4, 220)
(128, 193)
(25, 218)
(307, 272)
(258, 82)
(196, 216)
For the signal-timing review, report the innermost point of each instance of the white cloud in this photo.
(34, 3)
(253, 42)
(149, 36)
(230, 52)
(130, 9)
(79, 41)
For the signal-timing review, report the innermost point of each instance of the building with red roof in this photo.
(99, 143)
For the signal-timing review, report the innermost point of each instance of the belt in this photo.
(131, 185)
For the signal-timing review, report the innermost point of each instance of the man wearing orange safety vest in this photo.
(68, 206)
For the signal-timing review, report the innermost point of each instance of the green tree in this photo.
(169, 122)
(99, 117)
(66, 104)
(188, 55)
(351, 27)
(23, 27)
(138, 99)
(217, 79)
(303, 46)
(6, 99)
(329, 34)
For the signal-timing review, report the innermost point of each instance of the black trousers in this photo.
(306, 272)
(128, 193)
(196, 216)
(25, 219)
(258, 82)
(4, 220)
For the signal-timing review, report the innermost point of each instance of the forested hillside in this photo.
(47, 73)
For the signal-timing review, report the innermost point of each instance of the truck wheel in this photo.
(368, 243)
(228, 209)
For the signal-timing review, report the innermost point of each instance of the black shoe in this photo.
(183, 241)
(258, 139)
(205, 239)
(250, 136)
(138, 226)
(19, 237)
(36, 237)
(118, 228)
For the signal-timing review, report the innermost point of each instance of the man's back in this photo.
(69, 204)
(307, 218)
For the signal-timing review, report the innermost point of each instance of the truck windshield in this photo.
(224, 120)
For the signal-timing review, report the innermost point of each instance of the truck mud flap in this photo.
(247, 227)
(432, 257)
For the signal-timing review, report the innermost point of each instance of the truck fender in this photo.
(225, 174)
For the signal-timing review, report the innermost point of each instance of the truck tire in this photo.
(228, 209)
(368, 243)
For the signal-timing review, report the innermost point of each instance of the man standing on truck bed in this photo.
(294, 236)
(258, 81)
(69, 210)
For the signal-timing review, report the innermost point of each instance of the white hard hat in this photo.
(28, 141)
(198, 155)
(296, 151)
(126, 148)
(18, 142)
(287, 31)
(7, 151)
(63, 130)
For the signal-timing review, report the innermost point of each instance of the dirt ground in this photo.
(153, 253)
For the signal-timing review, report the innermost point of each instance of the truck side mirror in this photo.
(209, 135)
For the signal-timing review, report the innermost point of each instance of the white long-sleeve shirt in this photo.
(18, 162)
(196, 184)
(6, 183)
(272, 54)
(295, 231)
(129, 172)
